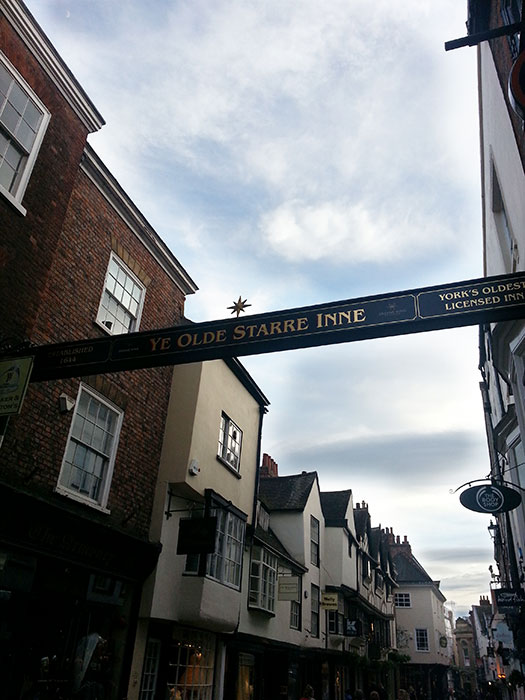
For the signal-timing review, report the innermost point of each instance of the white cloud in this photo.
(351, 233)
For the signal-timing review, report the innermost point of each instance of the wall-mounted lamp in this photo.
(493, 529)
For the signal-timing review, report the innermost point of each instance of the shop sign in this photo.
(329, 601)
(352, 628)
(490, 498)
(14, 378)
(197, 535)
(288, 588)
(509, 600)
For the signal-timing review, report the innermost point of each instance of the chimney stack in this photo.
(269, 467)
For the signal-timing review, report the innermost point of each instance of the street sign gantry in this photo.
(465, 303)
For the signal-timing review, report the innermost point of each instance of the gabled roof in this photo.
(270, 540)
(286, 492)
(335, 507)
(409, 570)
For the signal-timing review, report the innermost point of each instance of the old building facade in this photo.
(79, 463)
(502, 139)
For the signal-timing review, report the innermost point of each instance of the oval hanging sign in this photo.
(517, 85)
(490, 498)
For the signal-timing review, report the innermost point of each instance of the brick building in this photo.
(78, 465)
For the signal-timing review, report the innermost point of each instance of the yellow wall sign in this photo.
(329, 601)
(14, 378)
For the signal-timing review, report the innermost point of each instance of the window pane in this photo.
(17, 98)
(32, 115)
(10, 117)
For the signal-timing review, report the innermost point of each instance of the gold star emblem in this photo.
(239, 306)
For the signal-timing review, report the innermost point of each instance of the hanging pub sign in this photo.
(288, 588)
(197, 535)
(490, 498)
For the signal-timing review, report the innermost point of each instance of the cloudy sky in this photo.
(297, 153)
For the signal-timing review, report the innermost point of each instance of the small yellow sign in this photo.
(329, 601)
(14, 378)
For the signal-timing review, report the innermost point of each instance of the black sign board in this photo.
(490, 498)
(352, 628)
(432, 308)
(197, 535)
(509, 600)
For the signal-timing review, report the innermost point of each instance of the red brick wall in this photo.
(28, 243)
(35, 441)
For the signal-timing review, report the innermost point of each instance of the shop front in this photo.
(69, 593)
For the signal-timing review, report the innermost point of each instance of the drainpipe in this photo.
(262, 411)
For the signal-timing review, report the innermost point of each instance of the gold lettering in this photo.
(275, 327)
(239, 332)
(221, 335)
(160, 344)
(302, 324)
(184, 340)
(359, 316)
(262, 330)
(289, 326)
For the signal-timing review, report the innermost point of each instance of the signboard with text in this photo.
(490, 498)
(431, 308)
(509, 600)
(14, 378)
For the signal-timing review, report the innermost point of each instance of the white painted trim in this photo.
(130, 273)
(100, 505)
(37, 42)
(21, 186)
(113, 193)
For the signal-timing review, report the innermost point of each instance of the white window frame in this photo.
(421, 639)
(315, 536)
(263, 579)
(224, 565)
(315, 616)
(65, 488)
(402, 600)
(102, 314)
(16, 193)
(229, 445)
(150, 669)
(295, 614)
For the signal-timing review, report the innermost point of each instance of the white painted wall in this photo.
(426, 612)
